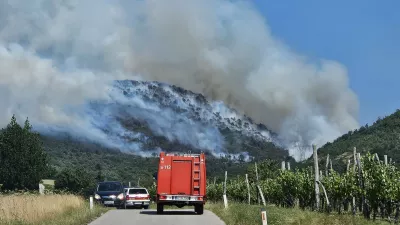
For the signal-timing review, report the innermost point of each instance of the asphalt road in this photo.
(150, 217)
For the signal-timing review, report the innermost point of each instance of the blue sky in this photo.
(363, 35)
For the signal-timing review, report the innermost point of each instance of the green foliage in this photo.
(23, 160)
(75, 180)
(266, 169)
(109, 164)
(377, 183)
(100, 176)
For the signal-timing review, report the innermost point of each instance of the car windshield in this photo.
(137, 191)
(109, 187)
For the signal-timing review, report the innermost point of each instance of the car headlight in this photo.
(120, 196)
(96, 196)
(112, 196)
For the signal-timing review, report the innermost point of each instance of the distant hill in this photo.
(382, 137)
(147, 117)
(175, 119)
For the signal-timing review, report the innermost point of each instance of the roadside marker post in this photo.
(264, 217)
(91, 202)
(225, 201)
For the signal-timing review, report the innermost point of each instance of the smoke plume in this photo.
(55, 55)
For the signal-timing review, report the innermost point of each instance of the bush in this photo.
(76, 180)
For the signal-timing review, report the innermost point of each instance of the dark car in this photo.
(110, 193)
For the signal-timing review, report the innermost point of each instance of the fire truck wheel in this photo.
(199, 209)
(160, 208)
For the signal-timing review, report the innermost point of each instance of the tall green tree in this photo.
(100, 176)
(76, 180)
(23, 161)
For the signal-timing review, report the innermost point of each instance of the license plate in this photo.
(183, 198)
(108, 202)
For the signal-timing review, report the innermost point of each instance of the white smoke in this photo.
(57, 54)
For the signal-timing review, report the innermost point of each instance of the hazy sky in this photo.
(362, 35)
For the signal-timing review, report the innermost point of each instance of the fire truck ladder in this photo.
(196, 175)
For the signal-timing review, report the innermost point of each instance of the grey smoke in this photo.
(57, 54)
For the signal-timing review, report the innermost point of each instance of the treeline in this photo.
(26, 158)
(24, 163)
(116, 165)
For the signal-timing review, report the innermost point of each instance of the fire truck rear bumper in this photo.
(180, 199)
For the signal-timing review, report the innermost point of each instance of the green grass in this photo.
(242, 214)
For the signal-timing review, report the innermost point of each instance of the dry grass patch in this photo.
(35, 208)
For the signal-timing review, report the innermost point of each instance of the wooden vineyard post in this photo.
(377, 158)
(225, 198)
(326, 196)
(355, 158)
(385, 157)
(326, 165)
(316, 173)
(258, 195)
(248, 188)
(262, 195)
(348, 166)
(360, 173)
(354, 172)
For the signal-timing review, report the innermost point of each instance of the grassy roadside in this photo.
(242, 214)
(78, 216)
(46, 209)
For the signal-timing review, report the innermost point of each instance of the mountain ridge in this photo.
(146, 117)
(382, 137)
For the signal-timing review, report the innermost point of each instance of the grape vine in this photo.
(380, 189)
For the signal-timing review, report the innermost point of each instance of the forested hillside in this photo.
(115, 165)
(382, 137)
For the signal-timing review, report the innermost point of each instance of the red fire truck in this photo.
(181, 181)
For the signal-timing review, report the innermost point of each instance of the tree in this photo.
(23, 161)
(100, 176)
(76, 180)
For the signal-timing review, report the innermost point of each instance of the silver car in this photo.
(137, 197)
